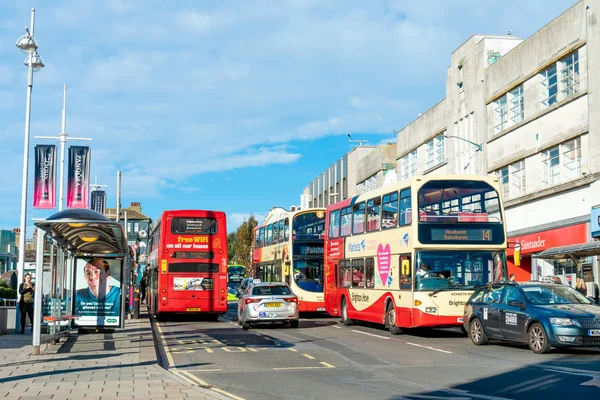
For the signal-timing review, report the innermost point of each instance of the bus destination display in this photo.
(454, 234)
(194, 226)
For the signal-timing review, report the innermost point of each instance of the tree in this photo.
(245, 236)
(231, 247)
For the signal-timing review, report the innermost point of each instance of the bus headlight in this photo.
(431, 310)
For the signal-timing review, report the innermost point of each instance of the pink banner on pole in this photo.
(78, 179)
(44, 184)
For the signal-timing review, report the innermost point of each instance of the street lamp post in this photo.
(28, 45)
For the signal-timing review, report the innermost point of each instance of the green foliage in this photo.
(245, 237)
(231, 247)
(6, 293)
(3, 283)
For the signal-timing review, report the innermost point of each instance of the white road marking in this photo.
(371, 334)
(208, 386)
(429, 348)
(458, 392)
(336, 326)
(569, 371)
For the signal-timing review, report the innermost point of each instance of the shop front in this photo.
(531, 244)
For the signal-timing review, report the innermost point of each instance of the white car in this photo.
(268, 302)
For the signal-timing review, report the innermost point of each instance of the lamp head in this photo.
(27, 43)
(37, 62)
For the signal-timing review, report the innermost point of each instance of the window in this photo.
(389, 213)
(358, 273)
(552, 166)
(129, 227)
(430, 154)
(511, 294)
(413, 163)
(493, 295)
(269, 234)
(517, 107)
(136, 226)
(571, 152)
(373, 214)
(369, 273)
(346, 221)
(345, 274)
(404, 167)
(512, 180)
(569, 75)
(358, 218)
(500, 114)
(257, 239)
(439, 149)
(262, 237)
(549, 86)
(405, 272)
(281, 232)
(334, 224)
(286, 229)
(405, 207)
(503, 177)
(276, 232)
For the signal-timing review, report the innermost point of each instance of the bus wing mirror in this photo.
(405, 267)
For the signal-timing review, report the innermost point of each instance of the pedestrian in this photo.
(580, 286)
(512, 277)
(26, 290)
(143, 288)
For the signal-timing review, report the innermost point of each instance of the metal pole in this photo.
(118, 196)
(39, 288)
(22, 226)
(63, 141)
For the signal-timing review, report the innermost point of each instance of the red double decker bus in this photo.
(188, 263)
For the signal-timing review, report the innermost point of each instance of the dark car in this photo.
(543, 315)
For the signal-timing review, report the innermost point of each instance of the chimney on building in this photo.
(136, 206)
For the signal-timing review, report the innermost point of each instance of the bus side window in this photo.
(370, 273)
(405, 272)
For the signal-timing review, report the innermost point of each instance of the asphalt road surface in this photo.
(323, 359)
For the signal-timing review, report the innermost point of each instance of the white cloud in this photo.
(234, 220)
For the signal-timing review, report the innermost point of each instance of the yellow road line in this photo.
(215, 389)
(166, 347)
(327, 365)
(308, 356)
(292, 350)
(208, 350)
(205, 370)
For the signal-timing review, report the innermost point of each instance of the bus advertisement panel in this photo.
(385, 263)
(98, 292)
(188, 263)
(288, 247)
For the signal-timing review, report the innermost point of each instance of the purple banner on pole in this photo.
(78, 179)
(44, 184)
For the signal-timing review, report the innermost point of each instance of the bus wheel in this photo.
(345, 320)
(391, 319)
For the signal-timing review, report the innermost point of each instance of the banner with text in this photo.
(78, 181)
(99, 201)
(44, 184)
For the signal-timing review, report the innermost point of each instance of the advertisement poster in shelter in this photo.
(98, 292)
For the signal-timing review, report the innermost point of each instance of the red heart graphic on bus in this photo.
(383, 263)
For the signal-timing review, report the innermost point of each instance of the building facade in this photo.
(8, 251)
(137, 229)
(528, 112)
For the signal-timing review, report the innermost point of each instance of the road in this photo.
(322, 359)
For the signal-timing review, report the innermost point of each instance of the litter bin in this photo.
(3, 320)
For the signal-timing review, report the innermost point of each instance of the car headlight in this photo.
(562, 321)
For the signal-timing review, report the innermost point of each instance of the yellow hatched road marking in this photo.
(208, 350)
(292, 350)
(327, 365)
(308, 356)
(206, 385)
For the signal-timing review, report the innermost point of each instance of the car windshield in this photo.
(437, 269)
(271, 291)
(553, 294)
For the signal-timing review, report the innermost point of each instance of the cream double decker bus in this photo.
(288, 247)
(410, 254)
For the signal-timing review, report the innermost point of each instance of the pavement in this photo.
(122, 364)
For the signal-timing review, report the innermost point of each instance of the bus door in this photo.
(404, 302)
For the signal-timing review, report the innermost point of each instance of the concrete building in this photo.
(362, 168)
(527, 111)
(137, 229)
(8, 251)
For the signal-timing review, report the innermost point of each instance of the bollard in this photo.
(136, 304)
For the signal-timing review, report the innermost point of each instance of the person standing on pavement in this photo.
(143, 283)
(26, 290)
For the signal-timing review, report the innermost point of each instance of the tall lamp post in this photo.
(28, 45)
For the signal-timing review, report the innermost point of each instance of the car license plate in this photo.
(459, 319)
(192, 309)
(594, 332)
(320, 309)
(272, 305)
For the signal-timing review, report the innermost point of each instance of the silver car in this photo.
(268, 302)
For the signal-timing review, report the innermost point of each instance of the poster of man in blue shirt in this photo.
(98, 294)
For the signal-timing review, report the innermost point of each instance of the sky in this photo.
(228, 105)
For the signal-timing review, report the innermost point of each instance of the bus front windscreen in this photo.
(447, 270)
(308, 275)
(308, 226)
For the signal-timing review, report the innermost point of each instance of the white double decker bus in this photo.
(411, 253)
(288, 247)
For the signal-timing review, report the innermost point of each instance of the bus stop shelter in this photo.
(78, 238)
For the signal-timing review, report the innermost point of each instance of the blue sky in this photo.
(235, 105)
